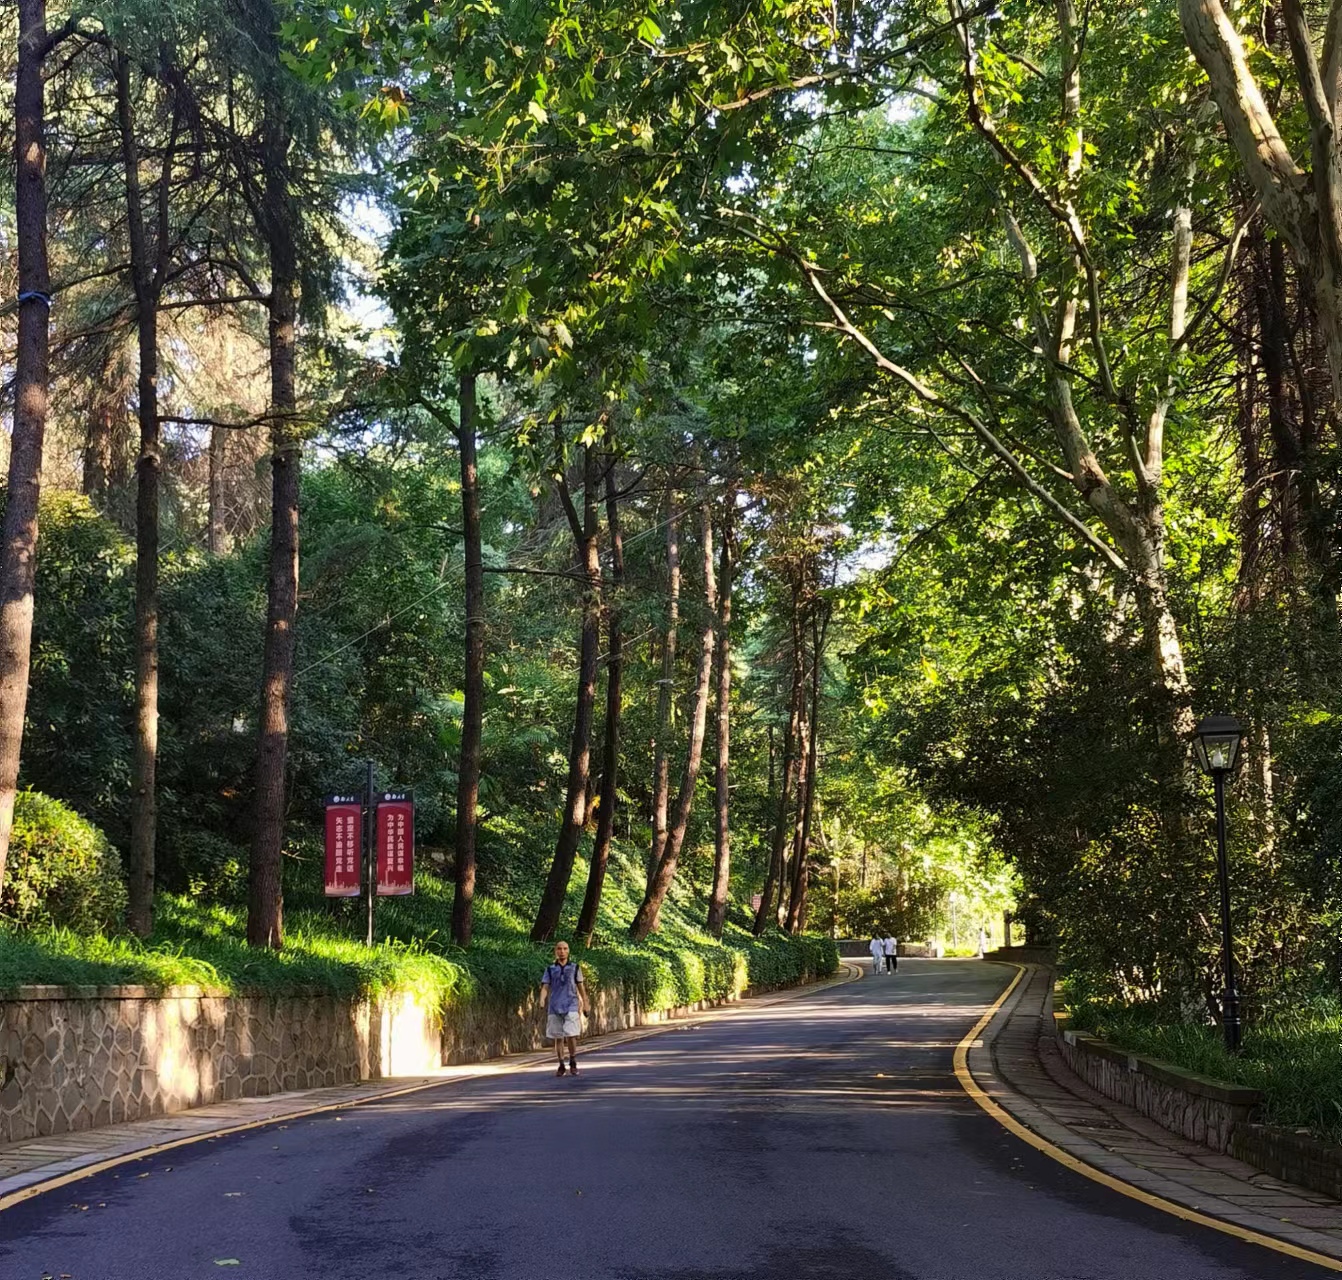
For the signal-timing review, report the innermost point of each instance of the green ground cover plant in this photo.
(1294, 1057)
(201, 943)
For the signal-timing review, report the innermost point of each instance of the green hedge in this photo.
(196, 943)
(61, 872)
(1294, 1058)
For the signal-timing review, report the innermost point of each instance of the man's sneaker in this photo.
(562, 1070)
(572, 1068)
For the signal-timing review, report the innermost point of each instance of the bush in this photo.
(62, 871)
(204, 865)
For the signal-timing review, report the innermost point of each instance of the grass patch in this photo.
(1294, 1058)
(198, 943)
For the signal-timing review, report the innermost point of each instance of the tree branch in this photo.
(979, 427)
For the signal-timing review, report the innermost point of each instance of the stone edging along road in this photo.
(36, 1165)
(1248, 1218)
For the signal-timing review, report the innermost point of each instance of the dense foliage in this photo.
(63, 872)
(977, 350)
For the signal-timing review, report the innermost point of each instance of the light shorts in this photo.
(558, 1026)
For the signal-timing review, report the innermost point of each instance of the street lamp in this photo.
(1218, 742)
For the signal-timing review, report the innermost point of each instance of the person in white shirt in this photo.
(877, 949)
(890, 947)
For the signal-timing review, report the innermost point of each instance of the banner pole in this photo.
(370, 845)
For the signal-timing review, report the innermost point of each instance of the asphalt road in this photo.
(821, 1139)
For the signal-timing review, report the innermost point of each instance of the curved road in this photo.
(820, 1139)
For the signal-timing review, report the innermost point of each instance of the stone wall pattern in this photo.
(1201, 1110)
(77, 1058)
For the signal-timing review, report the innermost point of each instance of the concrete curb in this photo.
(1029, 998)
(67, 1158)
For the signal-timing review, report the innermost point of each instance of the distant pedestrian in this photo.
(564, 995)
(890, 948)
(877, 948)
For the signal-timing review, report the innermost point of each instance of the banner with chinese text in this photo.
(344, 844)
(395, 844)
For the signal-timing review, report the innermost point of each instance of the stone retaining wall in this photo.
(77, 1058)
(1193, 1106)
(1290, 1156)
(1030, 954)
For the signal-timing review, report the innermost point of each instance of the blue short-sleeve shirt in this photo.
(563, 980)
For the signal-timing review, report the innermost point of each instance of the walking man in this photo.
(890, 946)
(877, 948)
(565, 998)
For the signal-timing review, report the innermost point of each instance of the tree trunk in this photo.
(580, 748)
(1303, 206)
(773, 878)
(265, 904)
(104, 409)
(216, 533)
(661, 769)
(472, 711)
(789, 894)
(18, 556)
(645, 921)
(801, 883)
(146, 279)
(610, 759)
(722, 846)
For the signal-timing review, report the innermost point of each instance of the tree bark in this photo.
(1305, 208)
(789, 894)
(148, 270)
(661, 768)
(472, 711)
(801, 883)
(18, 556)
(104, 408)
(773, 877)
(645, 920)
(265, 904)
(216, 533)
(610, 757)
(722, 845)
(580, 748)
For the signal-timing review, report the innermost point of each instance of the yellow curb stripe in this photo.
(615, 1039)
(1065, 1158)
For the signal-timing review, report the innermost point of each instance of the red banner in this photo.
(395, 845)
(344, 844)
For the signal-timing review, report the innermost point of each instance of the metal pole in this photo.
(370, 849)
(1230, 1022)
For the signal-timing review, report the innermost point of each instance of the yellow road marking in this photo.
(1008, 1121)
(617, 1038)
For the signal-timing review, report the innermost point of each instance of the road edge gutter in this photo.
(95, 1163)
(974, 1040)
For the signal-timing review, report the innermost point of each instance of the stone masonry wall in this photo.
(1291, 1156)
(1193, 1106)
(78, 1058)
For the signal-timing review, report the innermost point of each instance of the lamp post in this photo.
(1218, 743)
